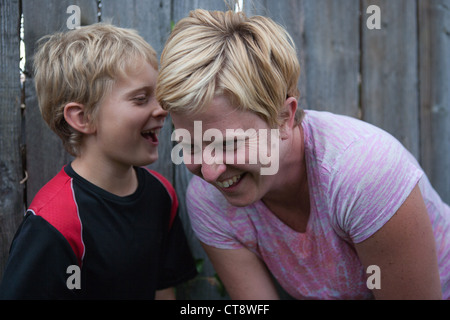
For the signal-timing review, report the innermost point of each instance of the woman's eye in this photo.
(228, 145)
(195, 149)
(232, 144)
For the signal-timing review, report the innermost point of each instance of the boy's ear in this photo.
(288, 117)
(75, 116)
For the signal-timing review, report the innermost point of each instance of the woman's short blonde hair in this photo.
(251, 60)
(81, 66)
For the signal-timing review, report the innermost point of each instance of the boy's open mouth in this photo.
(151, 135)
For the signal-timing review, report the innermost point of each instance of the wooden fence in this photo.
(396, 76)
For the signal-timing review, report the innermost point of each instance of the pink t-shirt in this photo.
(358, 177)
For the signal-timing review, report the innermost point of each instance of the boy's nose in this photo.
(159, 112)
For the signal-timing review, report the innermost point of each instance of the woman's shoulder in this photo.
(201, 191)
(341, 130)
(198, 186)
(330, 138)
(365, 173)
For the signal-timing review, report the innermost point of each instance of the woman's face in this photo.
(235, 151)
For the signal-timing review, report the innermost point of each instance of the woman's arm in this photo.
(165, 294)
(404, 250)
(244, 275)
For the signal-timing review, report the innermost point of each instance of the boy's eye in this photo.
(140, 99)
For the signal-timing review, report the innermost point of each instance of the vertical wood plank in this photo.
(181, 8)
(45, 152)
(434, 72)
(389, 92)
(329, 47)
(152, 20)
(327, 39)
(11, 191)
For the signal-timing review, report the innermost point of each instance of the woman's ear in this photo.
(288, 117)
(75, 116)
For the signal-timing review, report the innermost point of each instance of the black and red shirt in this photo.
(125, 247)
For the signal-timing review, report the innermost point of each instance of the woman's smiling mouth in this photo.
(229, 182)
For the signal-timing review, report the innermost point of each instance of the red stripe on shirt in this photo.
(170, 191)
(56, 204)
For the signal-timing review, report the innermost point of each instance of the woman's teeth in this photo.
(229, 182)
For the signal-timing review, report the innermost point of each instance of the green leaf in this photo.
(220, 287)
(199, 263)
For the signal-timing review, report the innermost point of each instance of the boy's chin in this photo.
(148, 161)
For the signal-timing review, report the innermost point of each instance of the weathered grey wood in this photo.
(11, 173)
(327, 39)
(45, 153)
(389, 89)
(152, 20)
(330, 46)
(181, 8)
(434, 72)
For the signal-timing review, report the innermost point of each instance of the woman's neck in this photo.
(290, 193)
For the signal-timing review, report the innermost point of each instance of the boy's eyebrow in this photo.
(146, 89)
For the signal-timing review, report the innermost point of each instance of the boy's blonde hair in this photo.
(251, 60)
(81, 66)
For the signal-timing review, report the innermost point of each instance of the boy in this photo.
(104, 227)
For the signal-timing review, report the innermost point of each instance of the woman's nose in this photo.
(211, 172)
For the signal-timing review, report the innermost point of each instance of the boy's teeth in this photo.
(156, 130)
(150, 133)
(228, 183)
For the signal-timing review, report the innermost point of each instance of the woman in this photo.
(345, 199)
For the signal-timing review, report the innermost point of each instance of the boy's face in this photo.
(129, 120)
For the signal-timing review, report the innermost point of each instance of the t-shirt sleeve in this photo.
(207, 210)
(368, 184)
(37, 263)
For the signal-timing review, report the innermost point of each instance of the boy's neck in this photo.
(117, 179)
